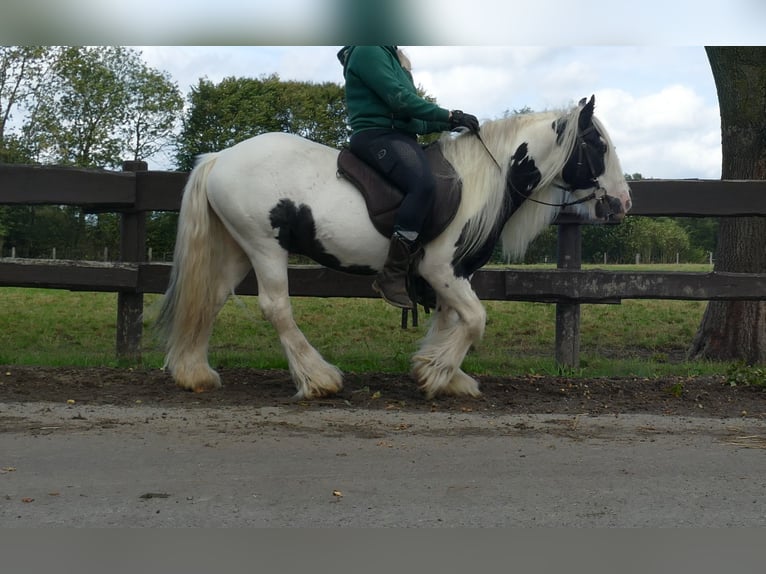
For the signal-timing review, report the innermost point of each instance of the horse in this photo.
(252, 204)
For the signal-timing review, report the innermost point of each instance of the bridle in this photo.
(585, 156)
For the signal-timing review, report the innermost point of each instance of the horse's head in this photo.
(592, 168)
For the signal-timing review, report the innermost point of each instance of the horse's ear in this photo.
(586, 115)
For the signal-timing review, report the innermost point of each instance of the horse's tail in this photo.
(193, 293)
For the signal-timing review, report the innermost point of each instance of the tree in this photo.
(239, 108)
(161, 229)
(154, 106)
(102, 105)
(23, 71)
(703, 234)
(78, 120)
(736, 330)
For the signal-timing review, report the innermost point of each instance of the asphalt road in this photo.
(101, 466)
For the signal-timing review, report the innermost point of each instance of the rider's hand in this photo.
(459, 119)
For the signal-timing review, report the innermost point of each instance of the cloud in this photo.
(670, 134)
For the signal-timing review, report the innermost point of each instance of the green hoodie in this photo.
(380, 93)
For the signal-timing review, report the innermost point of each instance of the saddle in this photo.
(383, 199)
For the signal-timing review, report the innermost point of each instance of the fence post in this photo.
(568, 314)
(130, 305)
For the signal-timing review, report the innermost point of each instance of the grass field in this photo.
(641, 338)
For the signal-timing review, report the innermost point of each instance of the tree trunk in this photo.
(736, 330)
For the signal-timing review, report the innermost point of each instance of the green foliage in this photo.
(221, 115)
(702, 232)
(22, 73)
(99, 106)
(542, 249)
(78, 117)
(35, 230)
(161, 234)
(13, 150)
(154, 106)
(656, 240)
(677, 390)
(741, 374)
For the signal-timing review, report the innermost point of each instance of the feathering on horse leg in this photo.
(187, 347)
(313, 376)
(462, 385)
(436, 366)
(187, 357)
(435, 363)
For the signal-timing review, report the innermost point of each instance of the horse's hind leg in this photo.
(457, 323)
(187, 357)
(312, 375)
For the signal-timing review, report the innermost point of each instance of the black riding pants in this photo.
(400, 159)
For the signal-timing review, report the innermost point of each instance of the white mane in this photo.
(484, 185)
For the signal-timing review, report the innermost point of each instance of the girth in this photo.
(383, 199)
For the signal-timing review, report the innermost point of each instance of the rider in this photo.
(386, 115)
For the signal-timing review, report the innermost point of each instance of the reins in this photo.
(478, 135)
(590, 196)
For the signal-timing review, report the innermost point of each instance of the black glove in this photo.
(459, 119)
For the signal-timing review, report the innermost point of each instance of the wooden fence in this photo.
(136, 191)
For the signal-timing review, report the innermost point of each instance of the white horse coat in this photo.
(250, 205)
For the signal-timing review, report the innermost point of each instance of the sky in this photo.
(658, 103)
(644, 61)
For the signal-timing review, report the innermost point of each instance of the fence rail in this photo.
(136, 191)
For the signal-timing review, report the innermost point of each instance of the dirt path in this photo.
(699, 396)
(110, 447)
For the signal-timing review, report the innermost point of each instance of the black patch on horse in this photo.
(522, 179)
(559, 126)
(523, 176)
(296, 233)
(465, 265)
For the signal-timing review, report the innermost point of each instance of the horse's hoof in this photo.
(198, 380)
(200, 387)
(205, 388)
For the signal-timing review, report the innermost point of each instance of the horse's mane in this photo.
(484, 193)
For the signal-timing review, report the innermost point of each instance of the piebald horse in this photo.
(250, 205)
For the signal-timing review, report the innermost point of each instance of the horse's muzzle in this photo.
(609, 208)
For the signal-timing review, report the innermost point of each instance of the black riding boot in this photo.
(391, 282)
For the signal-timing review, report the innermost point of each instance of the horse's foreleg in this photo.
(458, 322)
(312, 375)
